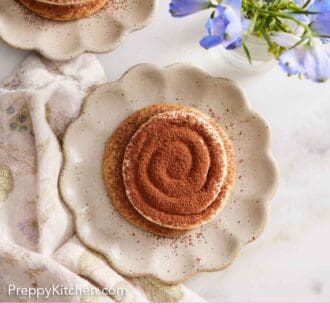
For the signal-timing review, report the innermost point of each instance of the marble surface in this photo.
(291, 260)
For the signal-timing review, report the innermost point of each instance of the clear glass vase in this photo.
(262, 60)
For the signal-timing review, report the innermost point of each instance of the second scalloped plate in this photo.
(130, 250)
(100, 33)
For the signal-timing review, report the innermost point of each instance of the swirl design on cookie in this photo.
(174, 166)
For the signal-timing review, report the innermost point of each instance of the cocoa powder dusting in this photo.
(41, 23)
(174, 168)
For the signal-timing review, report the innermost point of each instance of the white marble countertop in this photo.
(291, 260)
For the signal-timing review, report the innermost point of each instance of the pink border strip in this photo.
(167, 316)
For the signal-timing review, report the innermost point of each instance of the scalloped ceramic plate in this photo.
(100, 33)
(130, 250)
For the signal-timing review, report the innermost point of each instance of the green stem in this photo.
(266, 37)
(302, 40)
(253, 22)
(247, 52)
(306, 4)
(322, 36)
(286, 16)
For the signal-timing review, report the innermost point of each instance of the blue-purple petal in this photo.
(319, 6)
(236, 5)
(321, 24)
(292, 61)
(210, 41)
(310, 61)
(226, 27)
(181, 8)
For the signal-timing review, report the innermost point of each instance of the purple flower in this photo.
(315, 5)
(319, 6)
(181, 8)
(309, 60)
(226, 27)
(321, 24)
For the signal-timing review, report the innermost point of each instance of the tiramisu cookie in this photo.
(177, 176)
(64, 10)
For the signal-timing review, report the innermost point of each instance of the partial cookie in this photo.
(114, 156)
(64, 12)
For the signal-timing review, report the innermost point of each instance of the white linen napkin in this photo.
(38, 246)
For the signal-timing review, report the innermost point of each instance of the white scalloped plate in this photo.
(130, 250)
(100, 33)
